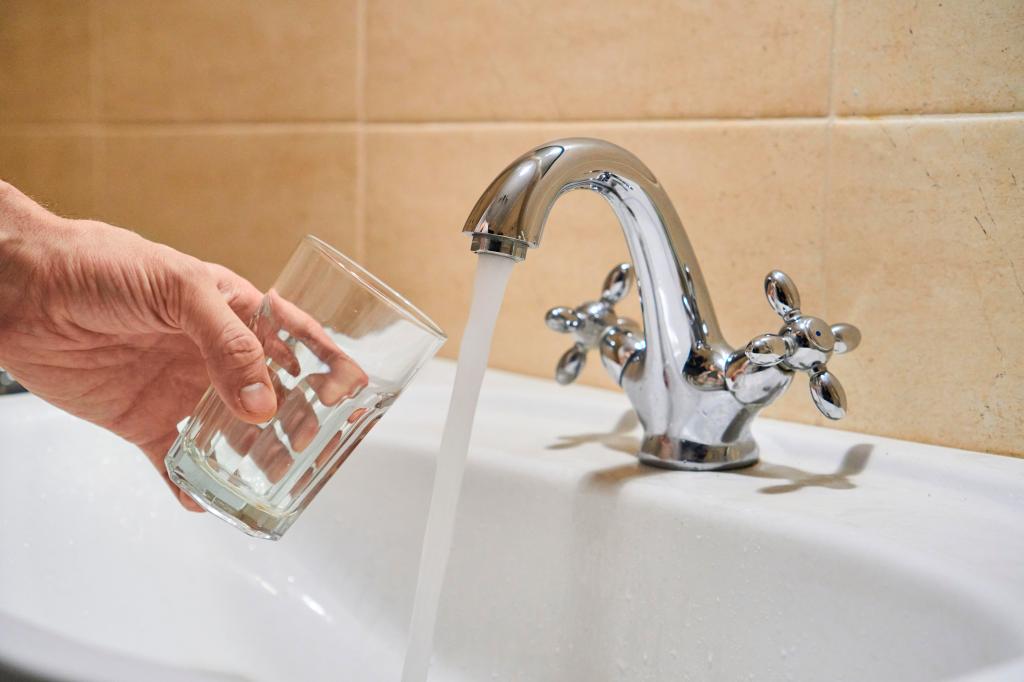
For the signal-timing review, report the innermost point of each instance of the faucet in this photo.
(696, 397)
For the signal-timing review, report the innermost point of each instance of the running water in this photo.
(492, 274)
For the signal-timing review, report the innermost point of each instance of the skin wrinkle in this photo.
(91, 321)
(129, 334)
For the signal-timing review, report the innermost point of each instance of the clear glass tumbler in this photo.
(341, 346)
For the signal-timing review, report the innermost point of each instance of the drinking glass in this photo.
(341, 346)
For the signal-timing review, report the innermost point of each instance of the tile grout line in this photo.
(833, 42)
(826, 182)
(360, 100)
(97, 146)
(270, 127)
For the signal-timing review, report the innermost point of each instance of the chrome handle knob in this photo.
(847, 337)
(783, 296)
(571, 364)
(828, 394)
(617, 283)
(768, 349)
(804, 343)
(563, 320)
(589, 322)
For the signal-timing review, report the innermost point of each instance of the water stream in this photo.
(492, 275)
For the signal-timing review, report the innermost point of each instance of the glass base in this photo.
(218, 498)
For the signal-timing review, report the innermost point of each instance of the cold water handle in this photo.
(595, 324)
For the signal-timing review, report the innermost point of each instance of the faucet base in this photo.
(684, 455)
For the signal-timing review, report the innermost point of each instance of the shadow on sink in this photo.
(12, 674)
(622, 439)
(855, 460)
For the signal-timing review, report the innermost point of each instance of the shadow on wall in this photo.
(622, 439)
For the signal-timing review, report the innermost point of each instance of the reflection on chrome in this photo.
(695, 395)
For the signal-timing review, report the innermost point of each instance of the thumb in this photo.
(234, 356)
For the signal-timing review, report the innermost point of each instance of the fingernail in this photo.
(258, 399)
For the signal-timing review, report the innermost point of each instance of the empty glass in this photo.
(340, 345)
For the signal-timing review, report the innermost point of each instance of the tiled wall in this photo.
(872, 149)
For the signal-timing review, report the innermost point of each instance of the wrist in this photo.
(29, 236)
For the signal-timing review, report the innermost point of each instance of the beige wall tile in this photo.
(227, 60)
(932, 56)
(45, 61)
(587, 59)
(733, 185)
(55, 169)
(925, 252)
(241, 198)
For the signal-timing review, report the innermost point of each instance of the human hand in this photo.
(298, 346)
(123, 332)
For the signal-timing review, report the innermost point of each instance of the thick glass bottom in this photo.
(211, 493)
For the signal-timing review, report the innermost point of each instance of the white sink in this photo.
(840, 557)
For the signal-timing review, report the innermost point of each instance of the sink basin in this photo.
(839, 557)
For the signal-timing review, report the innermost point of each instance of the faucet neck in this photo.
(510, 216)
(677, 378)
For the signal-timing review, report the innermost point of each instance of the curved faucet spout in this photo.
(510, 215)
(694, 394)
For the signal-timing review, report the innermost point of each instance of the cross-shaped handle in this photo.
(804, 343)
(591, 322)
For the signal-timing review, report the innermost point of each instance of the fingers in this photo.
(185, 499)
(299, 422)
(234, 356)
(235, 359)
(344, 377)
(155, 452)
(277, 350)
(238, 292)
(325, 454)
(245, 299)
(263, 445)
(271, 455)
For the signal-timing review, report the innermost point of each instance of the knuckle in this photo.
(188, 271)
(238, 348)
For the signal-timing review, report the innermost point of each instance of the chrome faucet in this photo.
(695, 396)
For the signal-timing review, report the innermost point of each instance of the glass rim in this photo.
(377, 287)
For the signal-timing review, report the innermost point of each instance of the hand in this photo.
(123, 332)
(287, 334)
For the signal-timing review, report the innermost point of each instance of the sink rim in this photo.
(990, 485)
